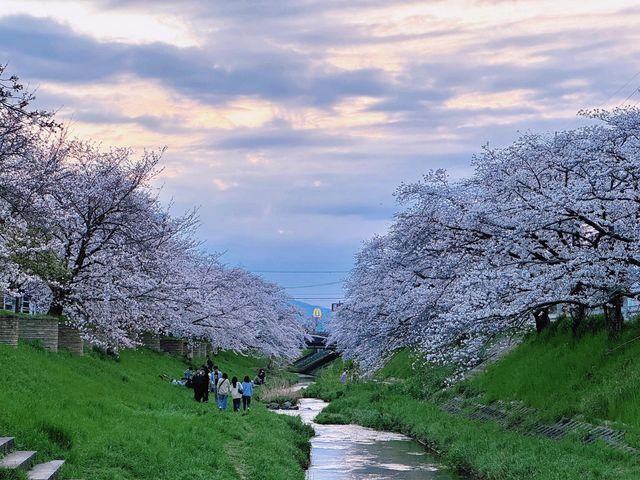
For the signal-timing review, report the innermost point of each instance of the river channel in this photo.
(350, 452)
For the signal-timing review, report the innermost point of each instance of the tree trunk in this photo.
(613, 316)
(56, 307)
(578, 313)
(542, 319)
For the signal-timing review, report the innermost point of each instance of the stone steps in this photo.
(512, 415)
(24, 460)
(6, 445)
(20, 460)
(45, 471)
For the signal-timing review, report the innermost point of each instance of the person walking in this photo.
(215, 377)
(247, 391)
(207, 378)
(199, 385)
(236, 393)
(209, 362)
(224, 389)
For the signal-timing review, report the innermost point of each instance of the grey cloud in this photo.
(255, 139)
(44, 49)
(367, 210)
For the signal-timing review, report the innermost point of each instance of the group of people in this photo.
(209, 379)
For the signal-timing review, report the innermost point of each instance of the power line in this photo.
(621, 88)
(631, 94)
(317, 285)
(318, 298)
(300, 271)
(311, 295)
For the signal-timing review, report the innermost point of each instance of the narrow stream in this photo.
(341, 452)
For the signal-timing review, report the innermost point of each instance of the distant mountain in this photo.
(308, 309)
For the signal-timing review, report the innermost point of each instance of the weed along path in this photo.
(341, 452)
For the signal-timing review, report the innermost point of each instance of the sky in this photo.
(291, 123)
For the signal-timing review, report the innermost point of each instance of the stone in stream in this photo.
(273, 406)
(287, 405)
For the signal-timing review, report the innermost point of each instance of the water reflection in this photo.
(352, 452)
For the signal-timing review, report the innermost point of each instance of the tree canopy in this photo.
(550, 220)
(82, 232)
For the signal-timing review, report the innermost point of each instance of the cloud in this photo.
(277, 136)
(45, 49)
(303, 116)
(223, 186)
(368, 211)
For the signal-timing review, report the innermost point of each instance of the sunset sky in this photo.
(292, 123)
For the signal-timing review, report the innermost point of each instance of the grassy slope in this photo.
(562, 376)
(118, 420)
(555, 373)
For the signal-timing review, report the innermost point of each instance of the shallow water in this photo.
(340, 452)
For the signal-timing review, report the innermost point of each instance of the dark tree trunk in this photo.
(578, 313)
(613, 316)
(57, 303)
(55, 310)
(542, 319)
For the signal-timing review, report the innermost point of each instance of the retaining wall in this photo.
(53, 335)
(9, 330)
(196, 349)
(199, 349)
(43, 330)
(69, 338)
(151, 341)
(174, 346)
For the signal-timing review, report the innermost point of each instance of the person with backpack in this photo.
(224, 389)
(236, 393)
(247, 391)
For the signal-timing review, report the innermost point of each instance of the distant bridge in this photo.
(321, 354)
(319, 340)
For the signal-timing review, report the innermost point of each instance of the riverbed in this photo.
(350, 452)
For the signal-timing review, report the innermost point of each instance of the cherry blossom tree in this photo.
(31, 146)
(82, 230)
(550, 220)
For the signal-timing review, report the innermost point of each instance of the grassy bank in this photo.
(555, 373)
(117, 420)
(560, 375)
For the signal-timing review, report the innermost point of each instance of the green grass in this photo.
(564, 376)
(327, 385)
(117, 420)
(400, 365)
(558, 374)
